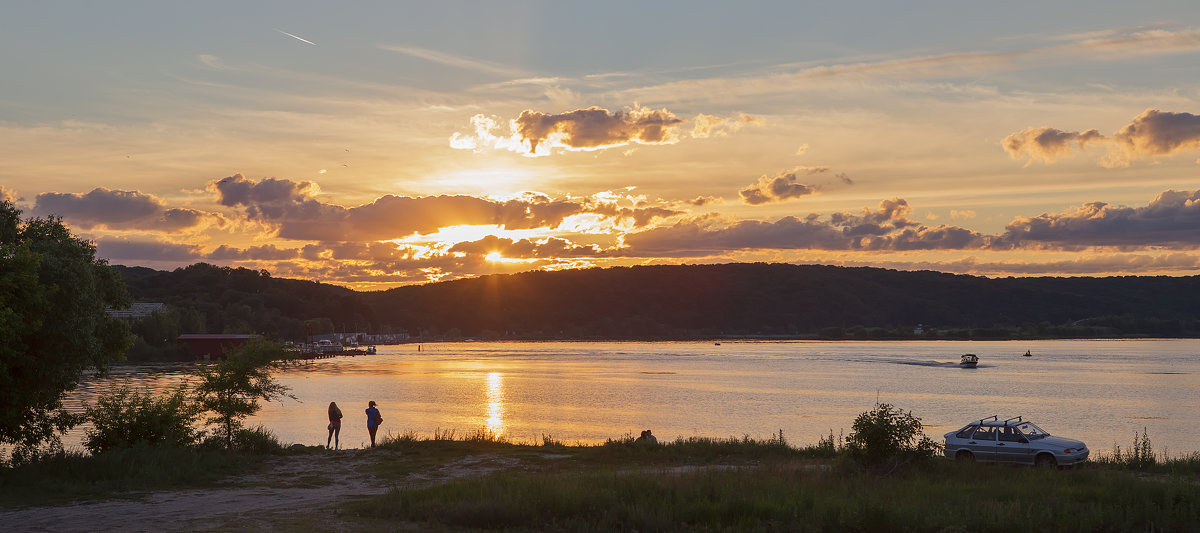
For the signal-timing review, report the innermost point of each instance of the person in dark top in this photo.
(373, 420)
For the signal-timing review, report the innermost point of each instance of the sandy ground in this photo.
(306, 491)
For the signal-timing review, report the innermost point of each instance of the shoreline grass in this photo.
(746, 484)
(481, 480)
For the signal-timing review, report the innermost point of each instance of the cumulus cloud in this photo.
(1171, 219)
(7, 195)
(713, 126)
(115, 209)
(1155, 133)
(1152, 133)
(534, 133)
(780, 187)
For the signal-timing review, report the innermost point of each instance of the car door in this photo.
(1011, 446)
(983, 443)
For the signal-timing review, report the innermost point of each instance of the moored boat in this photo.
(969, 360)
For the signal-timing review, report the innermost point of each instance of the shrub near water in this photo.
(122, 418)
(889, 437)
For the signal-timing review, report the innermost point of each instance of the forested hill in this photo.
(687, 301)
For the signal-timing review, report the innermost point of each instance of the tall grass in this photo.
(942, 496)
(142, 467)
(1142, 457)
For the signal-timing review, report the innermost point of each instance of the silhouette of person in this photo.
(373, 420)
(335, 425)
(647, 437)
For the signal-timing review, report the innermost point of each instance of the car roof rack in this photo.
(993, 417)
(1017, 418)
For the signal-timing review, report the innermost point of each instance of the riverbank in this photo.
(476, 482)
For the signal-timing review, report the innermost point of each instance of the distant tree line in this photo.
(673, 302)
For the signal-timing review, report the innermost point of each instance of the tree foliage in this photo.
(123, 418)
(53, 325)
(886, 434)
(229, 390)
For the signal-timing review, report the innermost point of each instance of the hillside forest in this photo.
(755, 300)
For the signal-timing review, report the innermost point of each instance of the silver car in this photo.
(1012, 441)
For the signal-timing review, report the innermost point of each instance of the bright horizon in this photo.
(373, 145)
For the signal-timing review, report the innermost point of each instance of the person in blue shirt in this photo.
(373, 420)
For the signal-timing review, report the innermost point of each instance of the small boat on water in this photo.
(1027, 354)
(969, 360)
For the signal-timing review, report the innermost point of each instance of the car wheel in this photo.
(1045, 460)
(964, 456)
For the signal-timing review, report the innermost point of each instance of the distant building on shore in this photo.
(137, 310)
(211, 346)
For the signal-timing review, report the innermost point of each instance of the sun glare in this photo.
(494, 257)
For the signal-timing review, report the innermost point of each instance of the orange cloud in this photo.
(780, 187)
(1046, 143)
(713, 126)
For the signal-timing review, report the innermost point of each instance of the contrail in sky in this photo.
(295, 37)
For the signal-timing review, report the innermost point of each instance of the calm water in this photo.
(1098, 391)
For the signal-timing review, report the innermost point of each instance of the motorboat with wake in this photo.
(969, 360)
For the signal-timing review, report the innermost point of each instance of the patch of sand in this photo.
(307, 488)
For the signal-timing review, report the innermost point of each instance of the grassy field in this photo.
(747, 485)
(479, 481)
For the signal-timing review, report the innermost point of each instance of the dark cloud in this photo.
(99, 207)
(701, 201)
(135, 250)
(596, 127)
(1171, 219)
(780, 187)
(291, 208)
(640, 216)
(266, 252)
(115, 209)
(886, 228)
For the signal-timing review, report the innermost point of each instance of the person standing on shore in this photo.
(373, 420)
(335, 425)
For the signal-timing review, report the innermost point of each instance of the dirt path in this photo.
(306, 490)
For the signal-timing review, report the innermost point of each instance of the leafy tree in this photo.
(122, 418)
(53, 325)
(230, 389)
(886, 435)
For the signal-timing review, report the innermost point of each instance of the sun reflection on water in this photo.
(495, 403)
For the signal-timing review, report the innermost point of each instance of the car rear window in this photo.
(965, 433)
(984, 433)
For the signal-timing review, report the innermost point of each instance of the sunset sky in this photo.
(377, 144)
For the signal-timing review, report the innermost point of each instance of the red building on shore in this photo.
(205, 346)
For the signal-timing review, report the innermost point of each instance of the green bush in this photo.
(123, 418)
(889, 437)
